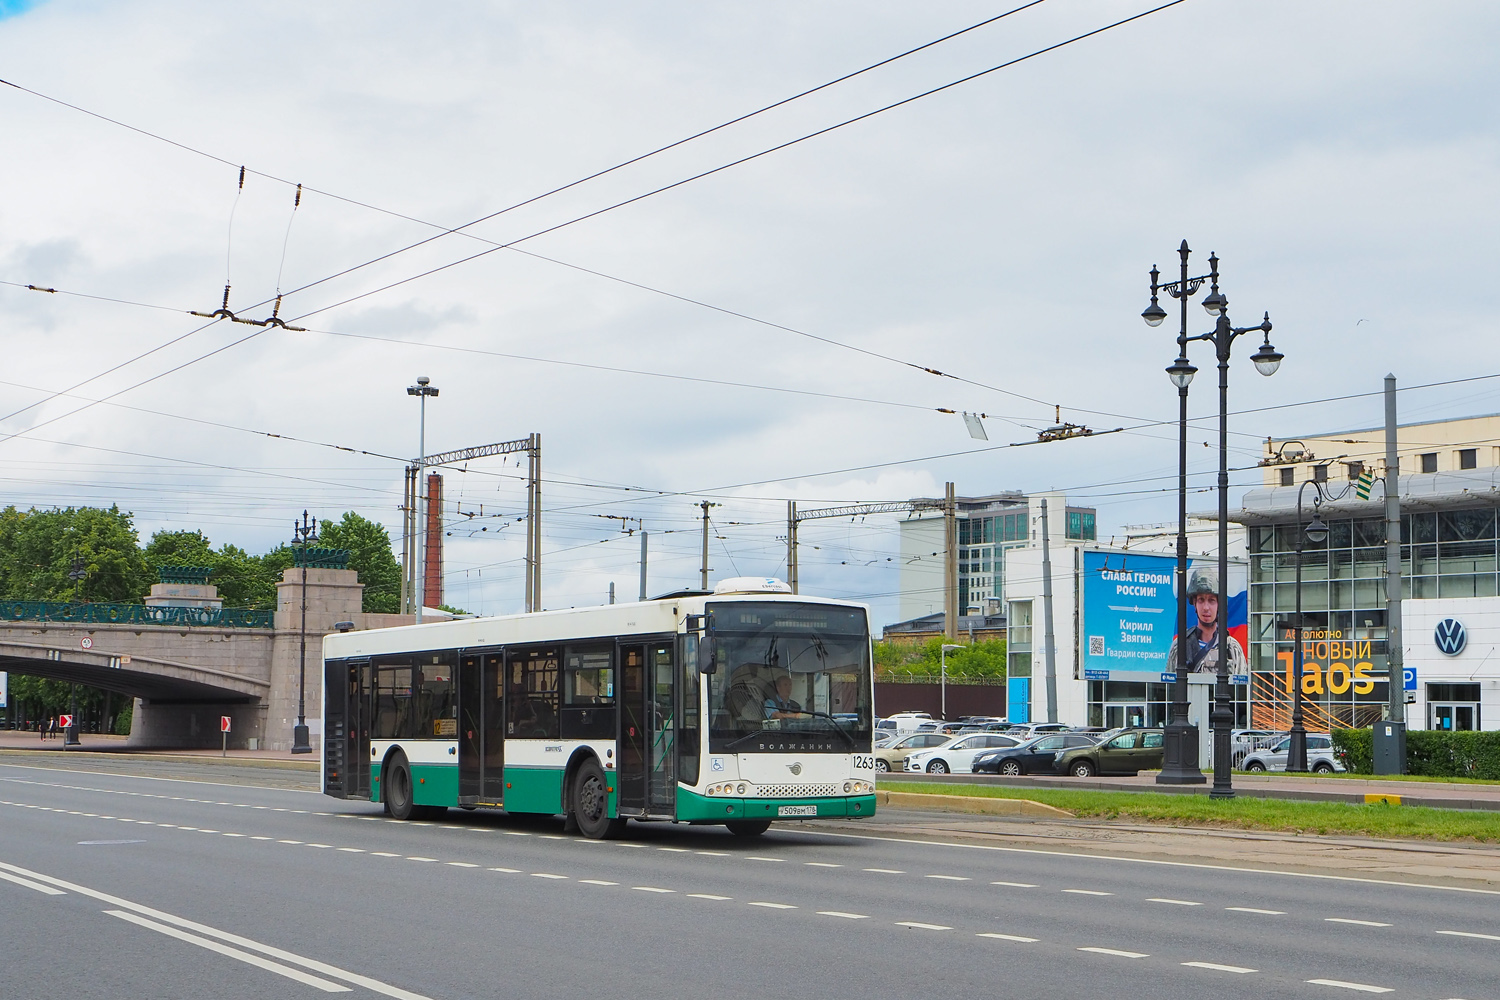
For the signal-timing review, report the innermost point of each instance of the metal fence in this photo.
(134, 614)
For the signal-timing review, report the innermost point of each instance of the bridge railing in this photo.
(134, 614)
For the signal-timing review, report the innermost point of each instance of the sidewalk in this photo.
(1315, 788)
(93, 743)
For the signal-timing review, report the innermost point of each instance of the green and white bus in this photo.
(741, 707)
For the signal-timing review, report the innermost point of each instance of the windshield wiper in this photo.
(823, 715)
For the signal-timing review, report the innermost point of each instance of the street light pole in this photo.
(1267, 359)
(421, 390)
(76, 574)
(1316, 532)
(943, 678)
(1180, 764)
(303, 535)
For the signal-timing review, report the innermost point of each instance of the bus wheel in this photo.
(591, 803)
(396, 779)
(748, 827)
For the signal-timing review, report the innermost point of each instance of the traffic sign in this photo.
(87, 642)
(223, 723)
(1408, 678)
(64, 722)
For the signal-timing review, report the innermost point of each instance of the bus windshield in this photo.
(789, 678)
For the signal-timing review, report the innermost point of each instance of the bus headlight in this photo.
(858, 787)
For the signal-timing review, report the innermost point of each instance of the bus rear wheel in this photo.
(395, 782)
(748, 827)
(591, 804)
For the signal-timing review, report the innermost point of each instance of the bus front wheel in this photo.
(396, 781)
(748, 827)
(591, 804)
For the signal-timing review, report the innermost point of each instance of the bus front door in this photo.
(662, 754)
(470, 727)
(647, 776)
(630, 777)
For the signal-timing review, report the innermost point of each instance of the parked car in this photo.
(1032, 757)
(1030, 730)
(1243, 742)
(1320, 755)
(957, 755)
(1125, 753)
(892, 756)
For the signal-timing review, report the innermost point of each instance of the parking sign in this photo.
(1408, 678)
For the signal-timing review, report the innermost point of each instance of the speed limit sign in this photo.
(87, 642)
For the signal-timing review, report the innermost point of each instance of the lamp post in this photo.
(421, 390)
(943, 678)
(1267, 360)
(76, 574)
(1317, 533)
(303, 535)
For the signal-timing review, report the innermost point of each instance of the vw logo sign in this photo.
(1450, 636)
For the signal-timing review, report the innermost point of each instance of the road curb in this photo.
(968, 804)
(205, 758)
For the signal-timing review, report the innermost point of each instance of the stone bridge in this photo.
(184, 676)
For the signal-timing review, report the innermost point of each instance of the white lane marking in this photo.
(462, 864)
(1139, 861)
(676, 850)
(919, 926)
(515, 833)
(548, 875)
(32, 885)
(650, 888)
(841, 913)
(1017, 885)
(1251, 909)
(352, 850)
(258, 837)
(1358, 923)
(223, 949)
(1007, 937)
(950, 878)
(713, 854)
(596, 881)
(281, 841)
(1472, 934)
(1174, 902)
(227, 834)
(332, 971)
(821, 864)
(1216, 967)
(508, 871)
(384, 854)
(773, 906)
(415, 857)
(1116, 952)
(552, 836)
(885, 871)
(1088, 892)
(1363, 988)
(319, 846)
(753, 857)
(708, 895)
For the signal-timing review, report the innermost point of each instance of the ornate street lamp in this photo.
(303, 535)
(1180, 759)
(1317, 533)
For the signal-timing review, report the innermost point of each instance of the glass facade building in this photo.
(1444, 554)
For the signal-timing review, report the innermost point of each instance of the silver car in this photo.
(1320, 755)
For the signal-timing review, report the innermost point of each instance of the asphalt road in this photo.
(144, 885)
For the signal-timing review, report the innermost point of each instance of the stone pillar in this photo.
(333, 595)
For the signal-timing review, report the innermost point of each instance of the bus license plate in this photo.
(797, 811)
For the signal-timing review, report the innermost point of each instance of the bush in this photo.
(1429, 753)
(1357, 748)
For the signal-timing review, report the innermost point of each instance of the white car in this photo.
(1320, 756)
(957, 755)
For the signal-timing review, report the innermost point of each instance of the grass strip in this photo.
(1245, 813)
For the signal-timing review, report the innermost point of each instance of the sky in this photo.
(759, 334)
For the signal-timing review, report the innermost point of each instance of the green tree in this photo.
(38, 547)
(244, 581)
(985, 658)
(370, 556)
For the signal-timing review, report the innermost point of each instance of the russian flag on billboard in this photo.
(1239, 621)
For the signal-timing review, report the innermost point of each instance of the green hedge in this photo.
(1429, 752)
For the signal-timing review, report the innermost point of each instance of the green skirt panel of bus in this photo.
(692, 807)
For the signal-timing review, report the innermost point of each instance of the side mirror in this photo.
(703, 626)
